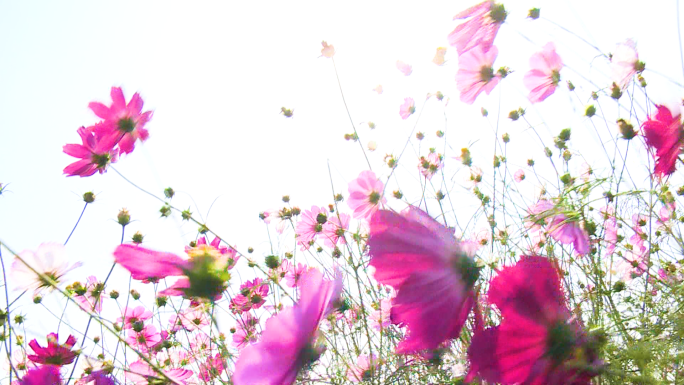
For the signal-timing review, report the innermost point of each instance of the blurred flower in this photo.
(519, 176)
(407, 108)
(372, 145)
(140, 373)
(96, 154)
(623, 63)
(123, 123)
(42, 375)
(430, 165)
(328, 50)
(334, 229)
(49, 260)
(362, 370)
(664, 135)
(380, 319)
(211, 368)
(433, 277)
(91, 300)
(480, 30)
(289, 339)
(365, 195)
(476, 73)
(404, 68)
(378, 89)
(439, 56)
(53, 353)
(131, 316)
(544, 76)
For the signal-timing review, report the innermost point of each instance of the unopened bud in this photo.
(533, 14)
(506, 138)
(626, 129)
(138, 237)
(272, 261)
(590, 111)
(124, 218)
(165, 211)
(169, 193)
(88, 197)
(135, 295)
(615, 91)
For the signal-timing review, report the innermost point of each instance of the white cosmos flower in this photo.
(50, 259)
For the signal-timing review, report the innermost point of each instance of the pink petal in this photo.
(146, 264)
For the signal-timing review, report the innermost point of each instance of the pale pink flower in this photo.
(50, 259)
(131, 316)
(211, 368)
(667, 212)
(407, 108)
(610, 236)
(422, 260)
(91, 300)
(378, 89)
(245, 331)
(144, 339)
(474, 177)
(476, 73)
(365, 195)
(567, 231)
(519, 176)
(439, 56)
(311, 225)
(633, 263)
(404, 68)
(280, 218)
(380, 319)
(294, 273)
(289, 339)
(586, 172)
(141, 374)
(328, 50)
(481, 29)
(335, 228)
(544, 76)
(362, 370)
(430, 165)
(194, 318)
(623, 63)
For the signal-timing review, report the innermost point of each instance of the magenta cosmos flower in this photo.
(407, 108)
(664, 134)
(42, 375)
(480, 30)
(544, 76)
(433, 276)
(124, 123)
(289, 340)
(538, 341)
(365, 195)
(559, 226)
(204, 273)
(95, 154)
(53, 353)
(476, 73)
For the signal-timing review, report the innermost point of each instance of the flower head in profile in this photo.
(290, 338)
(124, 123)
(544, 76)
(404, 68)
(476, 73)
(95, 154)
(365, 195)
(50, 260)
(54, 353)
(664, 136)
(480, 29)
(422, 260)
(407, 108)
(538, 340)
(328, 50)
(204, 273)
(624, 63)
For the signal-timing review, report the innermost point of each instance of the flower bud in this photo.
(138, 237)
(590, 111)
(506, 138)
(397, 194)
(420, 136)
(439, 195)
(533, 14)
(203, 229)
(37, 299)
(169, 193)
(530, 162)
(440, 133)
(615, 91)
(161, 301)
(165, 211)
(88, 197)
(272, 261)
(250, 250)
(371, 125)
(287, 112)
(626, 129)
(514, 115)
(571, 86)
(135, 294)
(286, 198)
(339, 198)
(124, 218)
(113, 294)
(484, 112)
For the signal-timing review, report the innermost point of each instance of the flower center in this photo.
(467, 269)
(374, 197)
(321, 218)
(126, 125)
(52, 276)
(498, 13)
(486, 74)
(555, 77)
(560, 342)
(101, 160)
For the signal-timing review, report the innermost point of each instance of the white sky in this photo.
(216, 75)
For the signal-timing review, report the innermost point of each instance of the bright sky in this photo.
(216, 75)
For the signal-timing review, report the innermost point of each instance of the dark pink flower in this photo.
(664, 135)
(538, 341)
(42, 375)
(476, 73)
(289, 339)
(365, 195)
(294, 274)
(544, 76)
(433, 277)
(123, 123)
(252, 296)
(96, 154)
(54, 353)
(99, 377)
(481, 29)
(145, 338)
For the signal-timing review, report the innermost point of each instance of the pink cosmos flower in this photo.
(365, 195)
(131, 316)
(624, 63)
(559, 226)
(245, 331)
(140, 373)
(145, 338)
(289, 339)
(228, 254)
(665, 136)
(50, 259)
(334, 229)
(430, 165)
(311, 225)
(123, 123)
(633, 264)
(91, 300)
(252, 295)
(42, 375)
(95, 154)
(362, 370)
(476, 73)
(211, 368)
(294, 273)
(519, 176)
(53, 353)
(544, 76)
(380, 319)
(404, 68)
(480, 30)
(98, 377)
(473, 178)
(407, 108)
(328, 50)
(278, 217)
(538, 341)
(422, 260)
(194, 318)
(205, 271)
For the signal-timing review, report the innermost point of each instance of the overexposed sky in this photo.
(216, 74)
